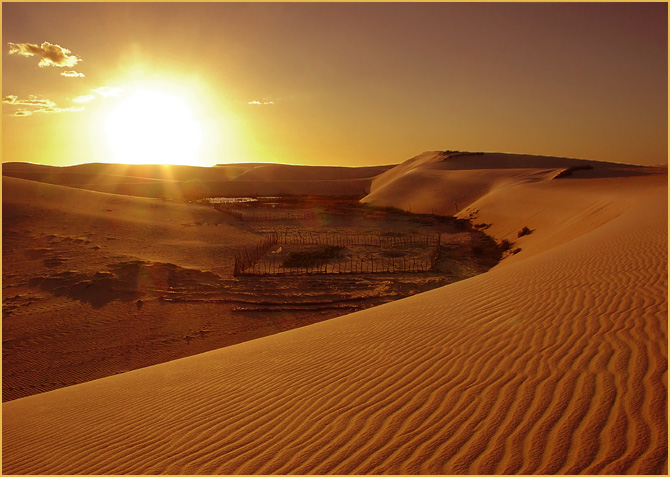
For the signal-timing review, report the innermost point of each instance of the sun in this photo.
(154, 124)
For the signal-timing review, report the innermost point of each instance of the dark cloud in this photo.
(52, 55)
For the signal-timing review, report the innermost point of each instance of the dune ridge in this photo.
(194, 182)
(447, 182)
(555, 361)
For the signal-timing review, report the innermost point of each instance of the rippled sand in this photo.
(555, 361)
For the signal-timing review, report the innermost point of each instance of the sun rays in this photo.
(154, 124)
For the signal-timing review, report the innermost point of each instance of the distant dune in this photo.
(553, 362)
(190, 182)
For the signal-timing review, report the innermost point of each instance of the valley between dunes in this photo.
(552, 362)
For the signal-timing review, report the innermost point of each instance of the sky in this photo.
(351, 84)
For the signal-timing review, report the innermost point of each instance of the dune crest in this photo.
(555, 361)
(447, 182)
(192, 182)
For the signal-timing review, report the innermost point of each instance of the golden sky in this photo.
(332, 84)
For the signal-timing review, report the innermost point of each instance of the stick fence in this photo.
(250, 262)
(262, 216)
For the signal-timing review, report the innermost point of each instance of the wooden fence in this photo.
(252, 214)
(251, 262)
(248, 258)
(341, 240)
(258, 216)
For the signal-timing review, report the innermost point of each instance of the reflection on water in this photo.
(229, 200)
(239, 200)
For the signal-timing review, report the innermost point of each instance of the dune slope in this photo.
(555, 361)
(445, 182)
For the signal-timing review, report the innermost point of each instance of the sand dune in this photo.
(444, 183)
(191, 182)
(288, 172)
(555, 361)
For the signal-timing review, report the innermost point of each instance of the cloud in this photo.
(107, 91)
(47, 110)
(40, 105)
(52, 55)
(72, 74)
(31, 101)
(71, 109)
(83, 99)
(261, 102)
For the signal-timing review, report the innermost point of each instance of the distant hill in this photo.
(191, 182)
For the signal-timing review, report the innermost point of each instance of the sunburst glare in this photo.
(154, 125)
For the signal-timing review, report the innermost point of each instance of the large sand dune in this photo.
(555, 361)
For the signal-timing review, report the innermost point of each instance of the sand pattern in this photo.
(551, 363)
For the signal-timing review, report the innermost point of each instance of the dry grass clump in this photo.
(482, 226)
(524, 231)
(505, 245)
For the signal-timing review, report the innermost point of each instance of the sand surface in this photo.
(96, 284)
(555, 361)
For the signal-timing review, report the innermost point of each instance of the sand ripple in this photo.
(552, 364)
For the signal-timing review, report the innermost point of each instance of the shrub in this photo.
(463, 224)
(524, 231)
(505, 245)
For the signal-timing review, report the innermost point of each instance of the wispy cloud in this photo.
(72, 74)
(106, 91)
(83, 99)
(52, 55)
(31, 101)
(29, 112)
(261, 102)
(40, 105)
